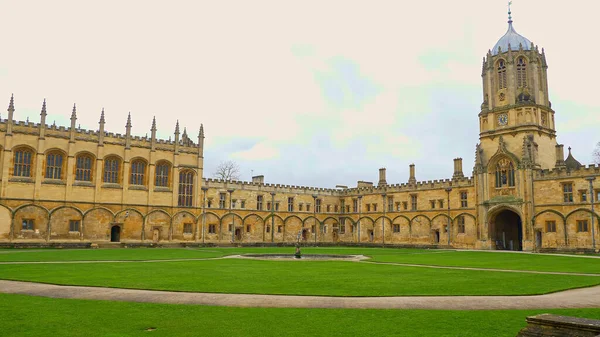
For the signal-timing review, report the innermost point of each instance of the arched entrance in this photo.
(115, 233)
(506, 231)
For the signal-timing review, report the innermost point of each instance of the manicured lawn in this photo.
(479, 259)
(37, 316)
(294, 277)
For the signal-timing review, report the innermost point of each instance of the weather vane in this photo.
(509, 12)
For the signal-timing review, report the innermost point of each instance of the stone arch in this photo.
(471, 232)
(365, 226)
(5, 222)
(236, 232)
(60, 223)
(577, 238)
(439, 223)
(212, 228)
(420, 230)
(156, 225)
(293, 226)
(31, 216)
(505, 227)
(326, 230)
(179, 222)
(551, 235)
(131, 221)
(277, 233)
(385, 231)
(403, 226)
(253, 228)
(96, 223)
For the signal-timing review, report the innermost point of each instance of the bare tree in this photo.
(227, 170)
(596, 154)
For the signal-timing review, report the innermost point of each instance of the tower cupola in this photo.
(511, 40)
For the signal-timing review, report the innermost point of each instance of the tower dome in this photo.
(512, 38)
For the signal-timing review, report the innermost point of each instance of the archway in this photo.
(115, 233)
(506, 231)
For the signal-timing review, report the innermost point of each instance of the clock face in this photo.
(502, 119)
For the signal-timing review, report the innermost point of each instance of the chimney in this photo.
(382, 180)
(560, 156)
(258, 179)
(412, 180)
(458, 172)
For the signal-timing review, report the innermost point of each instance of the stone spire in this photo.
(43, 115)
(128, 132)
(11, 111)
(201, 141)
(153, 134)
(101, 130)
(177, 137)
(73, 123)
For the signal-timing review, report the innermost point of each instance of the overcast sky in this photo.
(313, 93)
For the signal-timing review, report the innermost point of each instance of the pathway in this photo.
(576, 298)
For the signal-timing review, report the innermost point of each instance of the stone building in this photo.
(63, 184)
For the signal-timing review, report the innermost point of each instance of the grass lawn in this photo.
(480, 259)
(294, 277)
(37, 316)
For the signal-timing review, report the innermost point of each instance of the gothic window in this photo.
(290, 204)
(318, 205)
(112, 167)
(505, 174)
(461, 224)
(83, 168)
(162, 174)
(138, 172)
(23, 161)
(54, 165)
(521, 73)
(186, 189)
(501, 75)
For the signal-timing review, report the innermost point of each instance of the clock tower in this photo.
(516, 111)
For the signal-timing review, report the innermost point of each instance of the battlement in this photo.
(563, 172)
(266, 187)
(406, 187)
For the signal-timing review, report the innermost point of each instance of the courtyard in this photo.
(191, 291)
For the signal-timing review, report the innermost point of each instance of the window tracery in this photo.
(505, 174)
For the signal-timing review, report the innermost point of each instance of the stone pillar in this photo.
(458, 170)
(560, 156)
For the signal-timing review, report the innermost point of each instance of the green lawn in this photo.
(480, 259)
(37, 316)
(294, 277)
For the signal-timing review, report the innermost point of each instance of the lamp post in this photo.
(591, 180)
(272, 216)
(204, 189)
(448, 190)
(359, 211)
(383, 195)
(232, 217)
(315, 214)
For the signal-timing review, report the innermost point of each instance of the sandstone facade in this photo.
(65, 184)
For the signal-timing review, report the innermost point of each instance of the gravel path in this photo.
(576, 298)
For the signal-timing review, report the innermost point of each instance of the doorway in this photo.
(370, 232)
(538, 240)
(115, 233)
(155, 235)
(506, 231)
(238, 234)
(304, 234)
(335, 235)
(436, 236)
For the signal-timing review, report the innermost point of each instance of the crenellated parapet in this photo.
(266, 187)
(410, 187)
(564, 173)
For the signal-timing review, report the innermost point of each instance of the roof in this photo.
(571, 162)
(512, 38)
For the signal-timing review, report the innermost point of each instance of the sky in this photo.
(311, 93)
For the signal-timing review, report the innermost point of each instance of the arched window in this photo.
(23, 161)
(505, 174)
(521, 73)
(186, 188)
(138, 172)
(501, 75)
(112, 167)
(83, 168)
(162, 174)
(54, 165)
